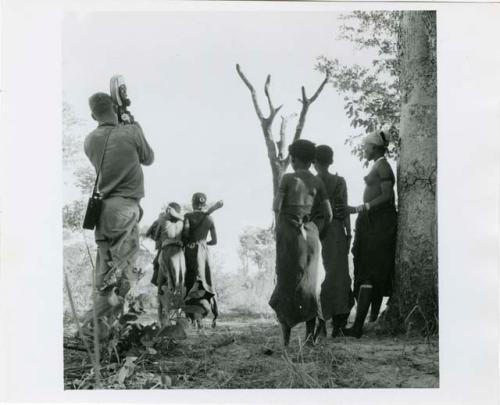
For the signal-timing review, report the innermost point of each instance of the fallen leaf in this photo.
(126, 370)
(166, 381)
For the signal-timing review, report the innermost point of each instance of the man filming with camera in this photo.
(117, 152)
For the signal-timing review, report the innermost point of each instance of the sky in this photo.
(196, 112)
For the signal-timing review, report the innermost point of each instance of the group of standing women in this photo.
(314, 216)
(182, 266)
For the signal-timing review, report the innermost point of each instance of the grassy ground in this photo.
(246, 352)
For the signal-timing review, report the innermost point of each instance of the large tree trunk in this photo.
(414, 304)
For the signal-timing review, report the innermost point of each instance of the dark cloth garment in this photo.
(374, 249)
(295, 297)
(198, 266)
(121, 173)
(340, 320)
(200, 292)
(374, 244)
(336, 294)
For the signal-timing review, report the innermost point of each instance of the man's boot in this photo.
(364, 301)
(375, 309)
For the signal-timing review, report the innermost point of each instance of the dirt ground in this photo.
(246, 352)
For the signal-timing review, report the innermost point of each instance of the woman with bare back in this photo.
(200, 293)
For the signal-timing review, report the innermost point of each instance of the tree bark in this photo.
(414, 304)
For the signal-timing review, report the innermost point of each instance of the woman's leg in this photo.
(320, 329)
(285, 331)
(375, 307)
(364, 301)
(339, 322)
(310, 331)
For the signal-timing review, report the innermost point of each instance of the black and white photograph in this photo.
(251, 196)
(263, 199)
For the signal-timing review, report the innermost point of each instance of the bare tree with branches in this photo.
(277, 150)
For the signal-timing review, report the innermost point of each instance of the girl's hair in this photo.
(324, 155)
(385, 140)
(303, 149)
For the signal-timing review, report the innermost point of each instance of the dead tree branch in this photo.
(272, 111)
(252, 92)
(306, 102)
(276, 151)
(266, 123)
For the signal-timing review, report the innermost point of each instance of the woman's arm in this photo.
(327, 211)
(325, 201)
(347, 218)
(213, 236)
(386, 177)
(386, 195)
(159, 227)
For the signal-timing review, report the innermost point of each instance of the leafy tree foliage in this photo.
(248, 289)
(371, 93)
(76, 165)
(257, 247)
(73, 215)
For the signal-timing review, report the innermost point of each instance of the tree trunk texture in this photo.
(414, 304)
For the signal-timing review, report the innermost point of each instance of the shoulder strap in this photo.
(94, 191)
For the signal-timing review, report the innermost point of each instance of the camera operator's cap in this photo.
(199, 199)
(378, 138)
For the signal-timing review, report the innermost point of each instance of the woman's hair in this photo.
(175, 206)
(324, 155)
(384, 139)
(385, 142)
(303, 150)
(199, 200)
